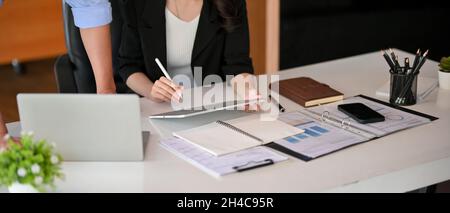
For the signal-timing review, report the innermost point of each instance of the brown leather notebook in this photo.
(308, 92)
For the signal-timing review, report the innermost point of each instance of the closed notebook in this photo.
(225, 137)
(308, 92)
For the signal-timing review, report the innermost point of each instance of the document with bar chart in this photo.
(319, 138)
(326, 131)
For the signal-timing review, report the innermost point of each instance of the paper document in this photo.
(328, 130)
(319, 138)
(219, 166)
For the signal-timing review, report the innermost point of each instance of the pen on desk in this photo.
(280, 107)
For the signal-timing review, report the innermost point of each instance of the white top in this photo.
(180, 44)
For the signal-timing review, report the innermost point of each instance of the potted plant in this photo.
(444, 73)
(29, 166)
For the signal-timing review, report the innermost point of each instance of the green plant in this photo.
(30, 162)
(445, 64)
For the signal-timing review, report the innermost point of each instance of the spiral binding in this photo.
(225, 124)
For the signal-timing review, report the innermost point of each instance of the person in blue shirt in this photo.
(93, 18)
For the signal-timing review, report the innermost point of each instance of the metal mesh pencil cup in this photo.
(403, 88)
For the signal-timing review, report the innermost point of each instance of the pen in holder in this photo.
(403, 84)
(403, 89)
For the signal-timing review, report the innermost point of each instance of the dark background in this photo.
(313, 31)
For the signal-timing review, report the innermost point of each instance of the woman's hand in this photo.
(244, 86)
(164, 90)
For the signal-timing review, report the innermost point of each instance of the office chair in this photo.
(73, 71)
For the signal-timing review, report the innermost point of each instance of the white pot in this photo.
(444, 80)
(22, 188)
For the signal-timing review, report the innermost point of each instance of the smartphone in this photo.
(361, 113)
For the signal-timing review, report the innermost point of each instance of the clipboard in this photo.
(241, 161)
(253, 165)
(346, 125)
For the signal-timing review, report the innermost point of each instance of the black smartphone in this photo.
(361, 113)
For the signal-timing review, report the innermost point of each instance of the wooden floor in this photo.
(38, 78)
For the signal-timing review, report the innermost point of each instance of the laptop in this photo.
(85, 127)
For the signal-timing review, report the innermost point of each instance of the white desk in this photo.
(401, 162)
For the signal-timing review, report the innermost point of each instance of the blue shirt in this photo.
(90, 13)
(1, 2)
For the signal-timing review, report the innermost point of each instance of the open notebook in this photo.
(225, 137)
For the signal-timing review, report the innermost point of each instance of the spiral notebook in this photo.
(225, 137)
(328, 130)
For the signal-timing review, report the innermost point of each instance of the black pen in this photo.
(416, 59)
(395, 59)
(422, 61)
(411, 78)
(407, 68)
(280, 107)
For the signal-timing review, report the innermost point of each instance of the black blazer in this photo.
(215, 50)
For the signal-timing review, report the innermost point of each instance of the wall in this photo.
(31, 30)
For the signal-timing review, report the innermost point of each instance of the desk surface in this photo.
(401, 162)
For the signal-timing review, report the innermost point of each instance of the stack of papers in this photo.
(227, 164)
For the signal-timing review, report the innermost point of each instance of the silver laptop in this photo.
(85, 127)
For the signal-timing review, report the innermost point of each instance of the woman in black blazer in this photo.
(220, 43)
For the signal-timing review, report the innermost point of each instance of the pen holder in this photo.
(403, 91)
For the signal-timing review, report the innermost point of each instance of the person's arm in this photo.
(162, 90)
(93, 18)
(237, 59)
(97, 42)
